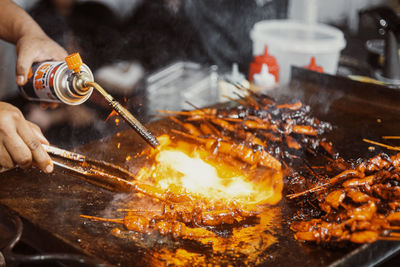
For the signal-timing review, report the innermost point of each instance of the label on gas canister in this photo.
(40, 85)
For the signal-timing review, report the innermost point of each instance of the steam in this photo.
(319, 97)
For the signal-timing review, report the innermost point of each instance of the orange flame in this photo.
(201, 173)
(112, 114)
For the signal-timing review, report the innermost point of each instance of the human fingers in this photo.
(25, 58)
(38, 132)
(22, 140)
(13, 146)
(18, 150)
(35, 49)
(5, 158)
(30, 136)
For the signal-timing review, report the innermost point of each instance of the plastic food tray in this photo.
(181, 86)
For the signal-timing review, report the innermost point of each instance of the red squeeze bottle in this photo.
(269, 60)
(313, 66)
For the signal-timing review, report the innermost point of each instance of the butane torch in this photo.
(71, 82)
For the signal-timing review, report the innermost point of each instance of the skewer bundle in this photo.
(360, 204)
(258, 124)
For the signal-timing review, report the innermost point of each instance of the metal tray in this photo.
(51, 204)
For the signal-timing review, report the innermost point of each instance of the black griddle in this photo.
(50, 205)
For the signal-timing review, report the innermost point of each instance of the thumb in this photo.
(24, 63)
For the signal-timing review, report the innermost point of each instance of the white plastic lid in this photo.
(235, 75)
(264, 78)
(297, 36)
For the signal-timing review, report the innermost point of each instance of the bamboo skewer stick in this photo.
(390, 137)
(397, 148)
(94, 218)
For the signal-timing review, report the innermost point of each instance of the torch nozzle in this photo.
(126, 115)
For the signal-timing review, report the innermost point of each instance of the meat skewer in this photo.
(238, 150)
(350, 204)
(143, 225)
(344, 175)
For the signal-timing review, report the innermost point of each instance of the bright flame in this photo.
(197, 176)
(200, 172)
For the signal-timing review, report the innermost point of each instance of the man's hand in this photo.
(33, 45)
(32, 49)
(20, 141)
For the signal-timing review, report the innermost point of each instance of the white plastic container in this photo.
(294, 43)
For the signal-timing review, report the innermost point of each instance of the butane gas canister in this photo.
(54, 81)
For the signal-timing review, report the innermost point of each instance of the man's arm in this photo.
(20, 140)
(33, 45)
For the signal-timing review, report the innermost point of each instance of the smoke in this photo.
(115, 203)
(121, 7)
(323, 99)
(130, 201)
(320, 95)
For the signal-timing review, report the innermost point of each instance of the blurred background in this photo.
(125, 41)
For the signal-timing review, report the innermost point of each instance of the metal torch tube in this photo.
(124, 113)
